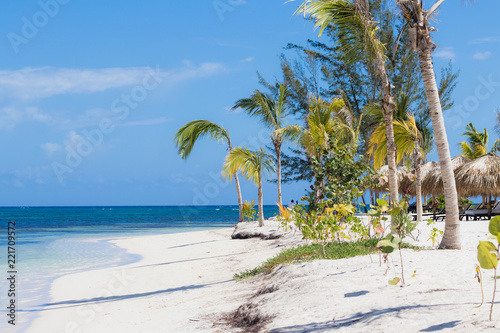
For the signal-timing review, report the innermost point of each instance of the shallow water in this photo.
(54, 241)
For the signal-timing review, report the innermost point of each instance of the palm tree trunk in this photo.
(238, 188)
(451, 236)
(277, 147)
(261, 204)
(418, 194)
(388, 107)
(240, 199)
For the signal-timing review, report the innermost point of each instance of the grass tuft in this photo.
(303, 253)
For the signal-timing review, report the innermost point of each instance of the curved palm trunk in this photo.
(240, 199)
(451, 237)
(277, 147)
(389, 106)
(238, 188)
(261, 204)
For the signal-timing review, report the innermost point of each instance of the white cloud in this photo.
(51, 148)
(249, 59)
(445, 53)
(482, 55)
(146, 122)
(482, 40)
(43, 82)
(9, 117)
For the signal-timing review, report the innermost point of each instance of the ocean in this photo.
(53, 241)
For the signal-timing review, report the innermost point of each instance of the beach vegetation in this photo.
(435, 232)
(488, 254)
(252, 165)
(285, 217)
(401, 226)
(186, 137)
(310, 252)
(249, 211)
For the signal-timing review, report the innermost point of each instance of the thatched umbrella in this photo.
(432, 183)
(382, 179)
(480, 177)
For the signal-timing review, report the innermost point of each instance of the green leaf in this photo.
(494, 227)
(382, 202)
(372, 212)
(389, 244)
(394, 281)
(395, 211)
(486, 255)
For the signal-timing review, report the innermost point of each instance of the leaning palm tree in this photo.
(271, 110)
(252, 165)
(476, 144)
(187, 135)
(357, 35)
(417, 20)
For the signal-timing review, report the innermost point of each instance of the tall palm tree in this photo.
(476, 144)
(271, 110)
(187, 135)
(357, 36)
(417, 20)
(252, 165)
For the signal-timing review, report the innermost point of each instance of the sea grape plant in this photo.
(488, 254)
(332, 224)
(401, 226)
(435, 232)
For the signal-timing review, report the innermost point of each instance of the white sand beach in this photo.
(184, 283)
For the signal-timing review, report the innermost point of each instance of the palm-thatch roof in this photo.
(432, 183)
(382, 179)
(479, 177)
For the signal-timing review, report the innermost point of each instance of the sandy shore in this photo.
(184, 284)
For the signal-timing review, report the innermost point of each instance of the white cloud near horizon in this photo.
(43, 82)
(482, 55)
(445, 53)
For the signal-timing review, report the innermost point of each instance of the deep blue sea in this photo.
(53, 241)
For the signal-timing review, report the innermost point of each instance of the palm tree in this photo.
(187, 135)
(252, 165)
(408, 143)
(476, 144)
(417, 20)
(357, 36)
(272, 112)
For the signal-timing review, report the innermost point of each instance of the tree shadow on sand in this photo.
(361, 319)
(114, 298)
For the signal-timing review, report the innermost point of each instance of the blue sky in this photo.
(92, 92)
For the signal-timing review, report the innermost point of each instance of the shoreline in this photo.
(184, 282)
(82, 306)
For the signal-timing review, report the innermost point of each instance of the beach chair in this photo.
(478, 212)
(463, 210)
(496, 209)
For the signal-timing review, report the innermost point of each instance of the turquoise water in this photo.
(53, 241)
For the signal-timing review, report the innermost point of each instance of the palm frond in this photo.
(186, 137)
(251, 164)
(352, 22)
